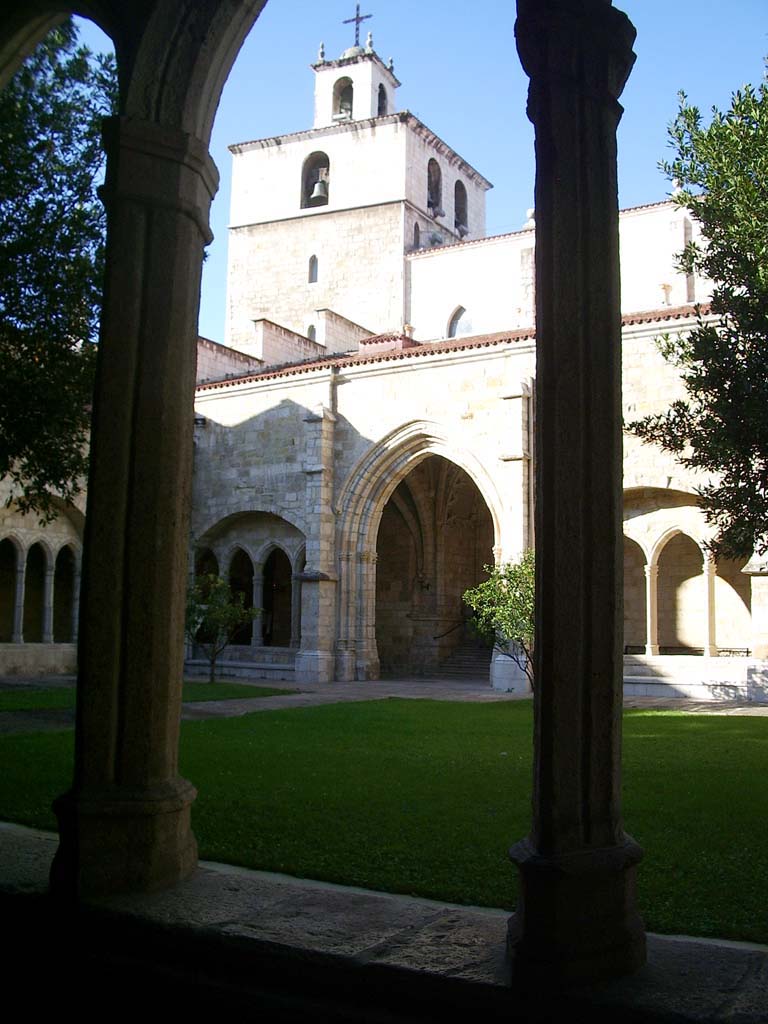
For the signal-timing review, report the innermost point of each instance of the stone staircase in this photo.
(471, 659)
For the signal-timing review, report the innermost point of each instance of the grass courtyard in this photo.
(425, 797)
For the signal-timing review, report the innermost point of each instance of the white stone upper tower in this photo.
(322, 220)
(355, 87)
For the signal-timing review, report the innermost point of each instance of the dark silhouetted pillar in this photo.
(576, 919)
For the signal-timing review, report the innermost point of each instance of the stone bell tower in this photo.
(355, 87)
(321, 220)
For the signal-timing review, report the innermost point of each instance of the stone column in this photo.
(710, 575)
(345, 644)
(315, 657)
(757, 570)
(576, 918)
(295, 610)
(75, 605)
(652, 609)
(48, 604)
(367, 665)
(18, 600)
(125, 824)
(258, 602)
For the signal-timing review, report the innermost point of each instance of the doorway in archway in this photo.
(435, 536)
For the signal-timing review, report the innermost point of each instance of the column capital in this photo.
(567, 41)
(161, 167)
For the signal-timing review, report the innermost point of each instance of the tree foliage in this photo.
(52, 228)
(503, 608)
(214, 614)
(721, 427)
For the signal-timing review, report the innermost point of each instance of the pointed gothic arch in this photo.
(361, 504)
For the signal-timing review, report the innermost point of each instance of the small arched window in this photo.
(315, 180)
(312, 271)
(459, 325)
(312, 332)
(343, 99)
(434, 189)
(416, 236)
(382, 101)
(461, 221)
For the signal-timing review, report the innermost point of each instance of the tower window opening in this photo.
(382, 109)
(416, 236)
(312, 271)
(312, 332)
(343, 99)
(315, 180)
(460, 325)
(461, 221)
(435, 189)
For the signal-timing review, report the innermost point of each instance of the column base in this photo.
(314, 667)
(576, 920)
(345, 665)
(366, 668)
(119, 840)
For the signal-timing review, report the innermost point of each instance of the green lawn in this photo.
(23, 699)
(425, 797)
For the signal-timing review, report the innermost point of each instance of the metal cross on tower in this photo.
(357, 19)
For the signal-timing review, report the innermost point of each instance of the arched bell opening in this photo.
(343, 99)
(276, 614)
(460, 215)
(435, 536)
(434, 189)
(315, 181)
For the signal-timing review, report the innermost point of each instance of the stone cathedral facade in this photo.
(364, 436)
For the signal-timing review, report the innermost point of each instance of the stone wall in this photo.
(359, 271)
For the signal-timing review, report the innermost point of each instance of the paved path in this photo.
(336, 693)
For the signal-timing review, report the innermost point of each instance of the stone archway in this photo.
(277, 600)
(8, 572)
(682, 597)
(362, 501)
(635, 611)
(34, 595)
(435, 535)
(64, 596)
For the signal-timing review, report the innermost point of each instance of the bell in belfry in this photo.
(319, 192)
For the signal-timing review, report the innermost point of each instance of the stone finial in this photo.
(369, 43)
(530, 218)
(391, 65)
(321, 54)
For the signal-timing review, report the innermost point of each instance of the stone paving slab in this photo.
(401, 944)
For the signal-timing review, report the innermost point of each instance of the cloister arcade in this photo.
(125, 822)
(262, 556)
(677, 598)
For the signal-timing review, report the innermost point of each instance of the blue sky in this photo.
(462, 77)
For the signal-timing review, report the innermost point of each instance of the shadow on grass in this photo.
(425, 797)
